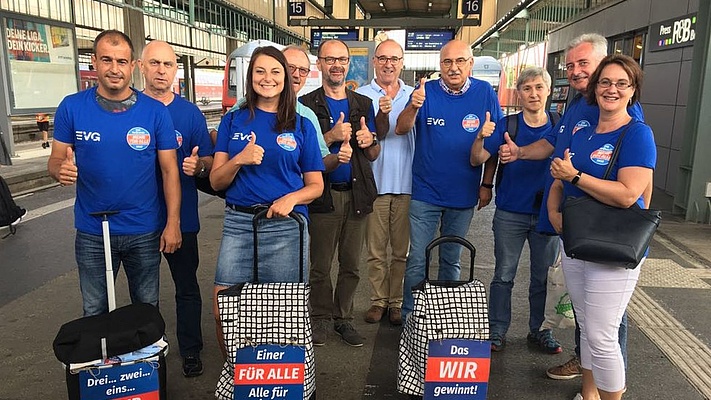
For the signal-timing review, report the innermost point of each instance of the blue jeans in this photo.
(140, 257)
(511, 230)
(183, 265)
(621, 338)
(278, 250)
(424, 218)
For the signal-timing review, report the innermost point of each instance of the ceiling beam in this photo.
(387, 22)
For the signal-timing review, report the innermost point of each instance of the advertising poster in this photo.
(359, 68)
(42, 63)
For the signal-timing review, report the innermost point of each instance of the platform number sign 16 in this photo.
(472, 7)
(297, 9)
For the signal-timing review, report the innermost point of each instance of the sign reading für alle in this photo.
(457, 369)
(270, 372)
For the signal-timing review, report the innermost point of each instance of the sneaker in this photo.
(497, 343)
(545, 341)
(320, 331)
(44, 145)
(395, 315)
(374, 314)
(571, 369)
(349, 334)
(192, 366)
(19, 219)
(578, 396)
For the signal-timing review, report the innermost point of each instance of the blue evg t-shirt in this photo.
(591, 152)
(117, 160)
(342, 173)
(521, 181)
(578, 115)
(445, 128)
(190, 131)
(287, 155)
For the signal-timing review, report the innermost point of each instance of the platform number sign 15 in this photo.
(472, 7)
(297, 9)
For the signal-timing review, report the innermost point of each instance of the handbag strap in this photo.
(616, 151)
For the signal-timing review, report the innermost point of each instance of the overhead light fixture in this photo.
(381, 4)
(429, 4)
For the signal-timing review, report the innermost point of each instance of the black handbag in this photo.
(597, 232)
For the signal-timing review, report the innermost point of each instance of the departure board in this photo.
(427, 39)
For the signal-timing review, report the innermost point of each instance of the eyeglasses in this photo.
(303, 72)
(382, 60)
(332, 60)
(620, 85)
(447, 62)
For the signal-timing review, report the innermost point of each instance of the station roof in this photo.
(399, 14)
(379, 9)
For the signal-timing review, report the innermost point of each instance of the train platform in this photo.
(669, 332)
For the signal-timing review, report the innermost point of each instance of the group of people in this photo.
(380, 167)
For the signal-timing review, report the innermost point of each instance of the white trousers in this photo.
(600, 294)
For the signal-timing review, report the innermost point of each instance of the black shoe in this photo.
(349, 334)
(192, 366)
(44, 145)
(23, 214)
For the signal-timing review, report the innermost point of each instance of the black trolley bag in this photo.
(254, 314)
(93, 348)
(441, 310)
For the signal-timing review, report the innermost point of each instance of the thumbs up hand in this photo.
(418, 95)
(386, 104)
(488, 128)
(563, 169)
(364, 135)
(341, 129)
(190, 164)
(252, 154)
(68, 172)
(345, 152)
(509, 151)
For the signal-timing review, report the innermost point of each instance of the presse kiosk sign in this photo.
(673, 33)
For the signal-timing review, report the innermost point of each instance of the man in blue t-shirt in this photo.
(519, 196)
(447, 115)
(389, 222)
(122, 139)
(338, 218)
(582, 56)
(158, 64)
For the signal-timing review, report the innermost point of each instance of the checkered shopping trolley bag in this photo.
(442, 310)
(267, 332)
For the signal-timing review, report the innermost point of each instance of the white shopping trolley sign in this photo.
(457, 369)
(270, 372)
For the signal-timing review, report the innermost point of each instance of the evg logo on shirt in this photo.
(435, 121)
(471, 123)
(602, 155)
(87, 136)
(138, 138)
(241, 136)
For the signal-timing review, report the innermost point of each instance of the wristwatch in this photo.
(375, 140)
(576, 178)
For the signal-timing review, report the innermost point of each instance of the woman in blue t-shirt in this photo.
(600, 292)
(266, 156)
